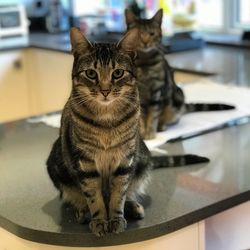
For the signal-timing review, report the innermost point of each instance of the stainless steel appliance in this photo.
(48, 15)
(13, 21)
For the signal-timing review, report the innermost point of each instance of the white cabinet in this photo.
(49, 80)
(33, 82)
(14, 101)
(229, 229)
(188, 238)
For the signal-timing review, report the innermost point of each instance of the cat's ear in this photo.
(158, 16)
(129, 17)
(130, 41)
(79, 43)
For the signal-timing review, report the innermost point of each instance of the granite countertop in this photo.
(228, 64)
(31, 206)
(178, 197)
(234, 40)
(55, 42)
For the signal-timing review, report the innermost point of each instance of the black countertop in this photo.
(229, 64)
(55, 42)
(233, 40)
(178, 197)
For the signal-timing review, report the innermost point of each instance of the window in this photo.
(210, 14)
(194, 14)
(242, 14)
(227, 16)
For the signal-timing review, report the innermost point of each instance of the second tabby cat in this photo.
(162, 101)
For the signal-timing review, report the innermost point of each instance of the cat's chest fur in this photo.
(110, 151)
(150, 66)
(107, 161)
(155, 71)
(108, 138)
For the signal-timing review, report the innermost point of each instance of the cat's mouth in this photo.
(106, 100)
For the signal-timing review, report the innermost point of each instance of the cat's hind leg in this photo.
(74, 196)
(133, 210)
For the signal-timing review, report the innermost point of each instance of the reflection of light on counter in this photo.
(211, 185)
(214, 174)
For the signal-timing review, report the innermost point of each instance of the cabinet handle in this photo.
(17, 64)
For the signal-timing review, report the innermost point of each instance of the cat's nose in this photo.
(145, 37)
(105, 92)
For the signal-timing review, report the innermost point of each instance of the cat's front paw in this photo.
(99, 227)
(117, 225)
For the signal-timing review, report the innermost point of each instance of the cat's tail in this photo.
(197, 107)
(177, 160)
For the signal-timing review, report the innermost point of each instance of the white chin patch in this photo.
(106, 102)
(146, 50)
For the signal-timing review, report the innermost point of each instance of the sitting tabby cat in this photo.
(162, 101)
(100, 163)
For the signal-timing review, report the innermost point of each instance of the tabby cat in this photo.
(162, 101)
(99, 162)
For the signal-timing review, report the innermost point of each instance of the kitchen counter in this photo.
(229, 64)
(233, 40)
(178, 197)
(58, 42)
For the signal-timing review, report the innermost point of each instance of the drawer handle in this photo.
(17, 64)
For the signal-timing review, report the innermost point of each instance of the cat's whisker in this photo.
(82, 100)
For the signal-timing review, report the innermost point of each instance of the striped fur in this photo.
(197, 107)
(100, 163)
(162, 101)
(177, 160)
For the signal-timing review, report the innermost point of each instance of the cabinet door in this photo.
(229, 229)
(49, 80)
(184, 239)
(14, 102)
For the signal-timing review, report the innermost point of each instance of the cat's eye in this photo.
(118, 73)
(152, 33)
(90, 73)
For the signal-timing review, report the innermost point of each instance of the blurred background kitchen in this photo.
(202, 38)
(230, 17)
(206, 41)
(100, 16)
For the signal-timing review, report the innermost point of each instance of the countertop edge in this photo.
(33, 46)
(232, 44)
(129, 236)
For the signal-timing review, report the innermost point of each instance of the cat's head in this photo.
(103, 73)
(149, 29)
